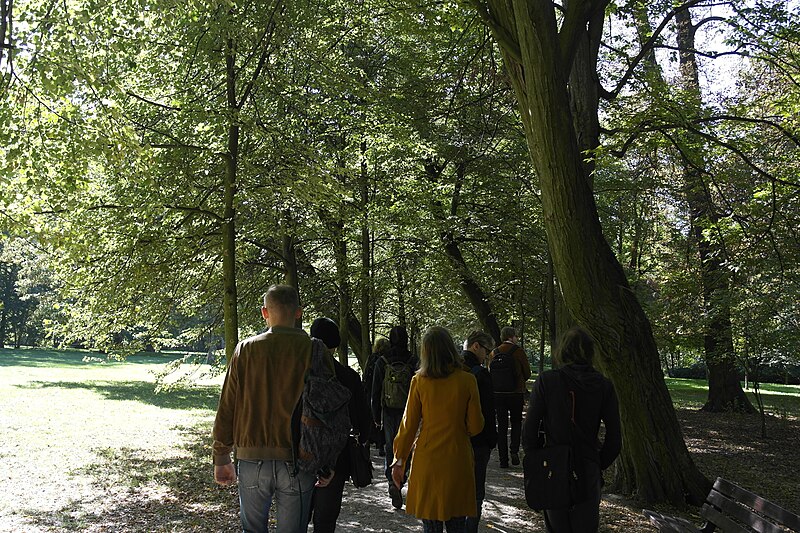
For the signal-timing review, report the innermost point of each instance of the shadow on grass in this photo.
(141, 494)
(197, 397)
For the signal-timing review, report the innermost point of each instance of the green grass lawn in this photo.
(92, 444)
(779, 400)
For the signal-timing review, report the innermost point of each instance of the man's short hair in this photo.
(484, 339)
(283, 296)
(507, 332)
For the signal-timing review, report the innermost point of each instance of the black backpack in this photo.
(503, 370)
(321, 414)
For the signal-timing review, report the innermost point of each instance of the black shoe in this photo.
(396, 495)
(515, 459)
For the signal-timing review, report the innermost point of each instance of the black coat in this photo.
(488, 436)
(358, 409)
(595, 401)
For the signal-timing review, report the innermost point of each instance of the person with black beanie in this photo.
(326, 502)
(402, 362)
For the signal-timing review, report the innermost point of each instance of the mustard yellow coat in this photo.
(447, 411)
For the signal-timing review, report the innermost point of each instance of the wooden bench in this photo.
(731, 509)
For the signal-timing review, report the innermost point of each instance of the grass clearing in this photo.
(95, 449)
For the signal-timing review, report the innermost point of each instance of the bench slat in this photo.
(725, 524)
(765, 507)
(743, 514)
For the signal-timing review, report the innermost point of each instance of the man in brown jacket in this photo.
(261, 389)
(508, 401)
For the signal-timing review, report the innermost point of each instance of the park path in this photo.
(504, 510)
(369, 509)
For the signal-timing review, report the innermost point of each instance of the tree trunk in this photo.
(366, 245)
(466, 280)
(229, 304)
(401, 288)
(655, 463)
(3, 326)
(291, 276)
(340, 259)
(724, 390)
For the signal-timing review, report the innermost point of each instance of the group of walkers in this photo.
(436, 419)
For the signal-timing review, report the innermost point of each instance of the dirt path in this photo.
(504, 510)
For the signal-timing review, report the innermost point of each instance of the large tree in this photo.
(554, 74)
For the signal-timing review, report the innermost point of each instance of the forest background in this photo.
(629, 166)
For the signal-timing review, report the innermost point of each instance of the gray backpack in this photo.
(323, 413)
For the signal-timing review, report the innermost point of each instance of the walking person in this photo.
(510, 370)
(479, 345)
(380, 349)
(390, 386)
(441, 482)
(590, 399)
(262, 386)
(326, 503)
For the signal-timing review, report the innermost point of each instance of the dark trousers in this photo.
(391, 425)
(326, 503)
(583, 517)
(508, 405)
(482, 454)
(454, 525)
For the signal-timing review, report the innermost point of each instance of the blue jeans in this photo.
(454, 525)
(482, 454)
(260, 482)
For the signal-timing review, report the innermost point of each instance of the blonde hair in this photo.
(438, 356)
(381, 345)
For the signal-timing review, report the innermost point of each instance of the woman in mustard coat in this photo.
(444, 408)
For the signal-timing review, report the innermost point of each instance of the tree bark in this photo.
(366, 246)
(229, 304)
(655, 463)
(343, 286)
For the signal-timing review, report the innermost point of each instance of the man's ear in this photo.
(298, 313)
(265, 314)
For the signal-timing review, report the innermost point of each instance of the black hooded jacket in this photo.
(488, 436)
(398, 351)
(595, 401)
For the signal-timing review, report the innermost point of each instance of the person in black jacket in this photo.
(390, 417)
(326, 502)
(380, 349)
(479, 345)
(590, 397)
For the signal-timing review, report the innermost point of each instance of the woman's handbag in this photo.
(551, 480)
(360, 462)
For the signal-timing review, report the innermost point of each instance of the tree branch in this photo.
(506, 40)
(651, 42)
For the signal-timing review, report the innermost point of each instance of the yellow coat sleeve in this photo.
(410, 423)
